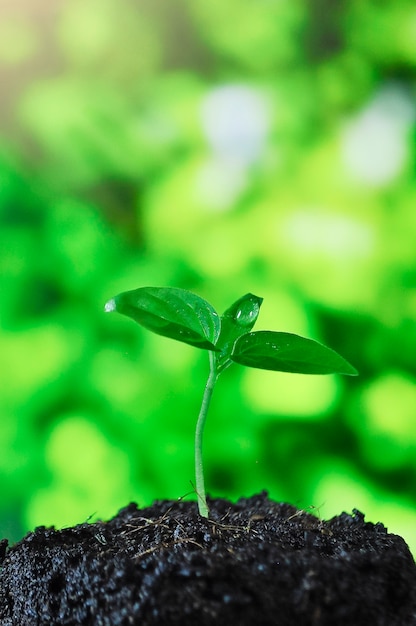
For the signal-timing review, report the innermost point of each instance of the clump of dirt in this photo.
(253, 562)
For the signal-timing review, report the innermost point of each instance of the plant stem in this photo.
(199, 470)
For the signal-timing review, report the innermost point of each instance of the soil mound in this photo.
(253, 562)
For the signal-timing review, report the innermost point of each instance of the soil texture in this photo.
(253, 562)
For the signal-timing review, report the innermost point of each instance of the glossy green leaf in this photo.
(285, 352)
(237, 320)
(171, 312)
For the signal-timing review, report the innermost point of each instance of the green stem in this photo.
(199, 470)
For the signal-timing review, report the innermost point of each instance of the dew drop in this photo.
(110, 306)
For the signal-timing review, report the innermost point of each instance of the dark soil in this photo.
(254, 562)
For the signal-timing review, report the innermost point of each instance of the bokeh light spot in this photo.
(390, 407)
(375, 143)
(295, 395)
(235, 121)
(90, 475)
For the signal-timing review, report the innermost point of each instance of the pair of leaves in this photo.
(184, 316)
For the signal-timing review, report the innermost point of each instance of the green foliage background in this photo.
(222, 147)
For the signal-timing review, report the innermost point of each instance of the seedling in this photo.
(184, 316)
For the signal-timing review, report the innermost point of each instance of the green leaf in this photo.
(171, 312)
(285, 352)
(237, 320)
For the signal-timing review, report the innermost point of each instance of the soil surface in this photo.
(254, 562)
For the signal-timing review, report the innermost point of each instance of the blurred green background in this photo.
(221, 147)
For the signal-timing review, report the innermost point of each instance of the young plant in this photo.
(184, 316)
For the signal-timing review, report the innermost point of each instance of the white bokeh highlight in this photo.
(374, 144)
(235, 121)
(312, 231)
